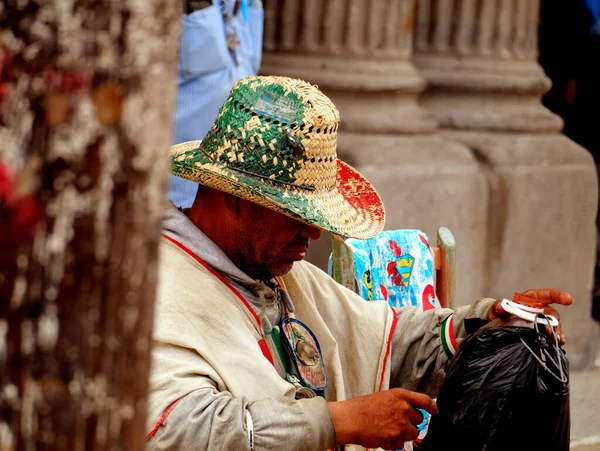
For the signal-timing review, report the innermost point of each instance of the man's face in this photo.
(270, 242)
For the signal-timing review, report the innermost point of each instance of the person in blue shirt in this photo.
(221, 42)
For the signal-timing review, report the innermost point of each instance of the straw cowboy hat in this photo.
(274, 143)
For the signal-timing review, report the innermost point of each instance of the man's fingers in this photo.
(550, 296)
(499, 310)
(421, 401)
(562, 338)
(558, 332)
(415, 417)
(411, 433)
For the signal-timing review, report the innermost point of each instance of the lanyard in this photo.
(300, 360)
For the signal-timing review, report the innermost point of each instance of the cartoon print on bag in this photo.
(401, 268)
(428, 297)
(368, 284)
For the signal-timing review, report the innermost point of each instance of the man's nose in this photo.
(310, 232)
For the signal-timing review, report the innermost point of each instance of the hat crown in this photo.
(278, 129)
(274, 144)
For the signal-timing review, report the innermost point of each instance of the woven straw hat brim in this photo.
(351, 209)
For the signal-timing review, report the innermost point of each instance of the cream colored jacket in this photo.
(207, 354)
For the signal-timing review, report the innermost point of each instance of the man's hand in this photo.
(382, 420)
(540, 298)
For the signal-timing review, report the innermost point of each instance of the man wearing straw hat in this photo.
(257, 349)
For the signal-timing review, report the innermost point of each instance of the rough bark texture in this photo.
(86, 98)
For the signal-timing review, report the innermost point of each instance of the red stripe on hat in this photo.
(359, 192)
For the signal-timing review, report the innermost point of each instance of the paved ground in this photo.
(585, 407)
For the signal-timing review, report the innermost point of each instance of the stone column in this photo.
(479, 58)
(359, 53)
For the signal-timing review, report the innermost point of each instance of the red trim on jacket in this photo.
(218, 276)
(388, 346)
(261, 343)
(162, 419)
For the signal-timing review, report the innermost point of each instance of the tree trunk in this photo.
(86, 98)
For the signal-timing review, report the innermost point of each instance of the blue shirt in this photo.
(207, 71)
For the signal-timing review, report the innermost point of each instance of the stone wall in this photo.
(440, 109)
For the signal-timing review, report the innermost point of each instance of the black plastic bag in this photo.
(506, 389)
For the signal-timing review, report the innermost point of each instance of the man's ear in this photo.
(232, 204)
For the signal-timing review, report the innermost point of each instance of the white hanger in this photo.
(528, 313)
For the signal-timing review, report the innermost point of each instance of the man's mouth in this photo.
(296, 253)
